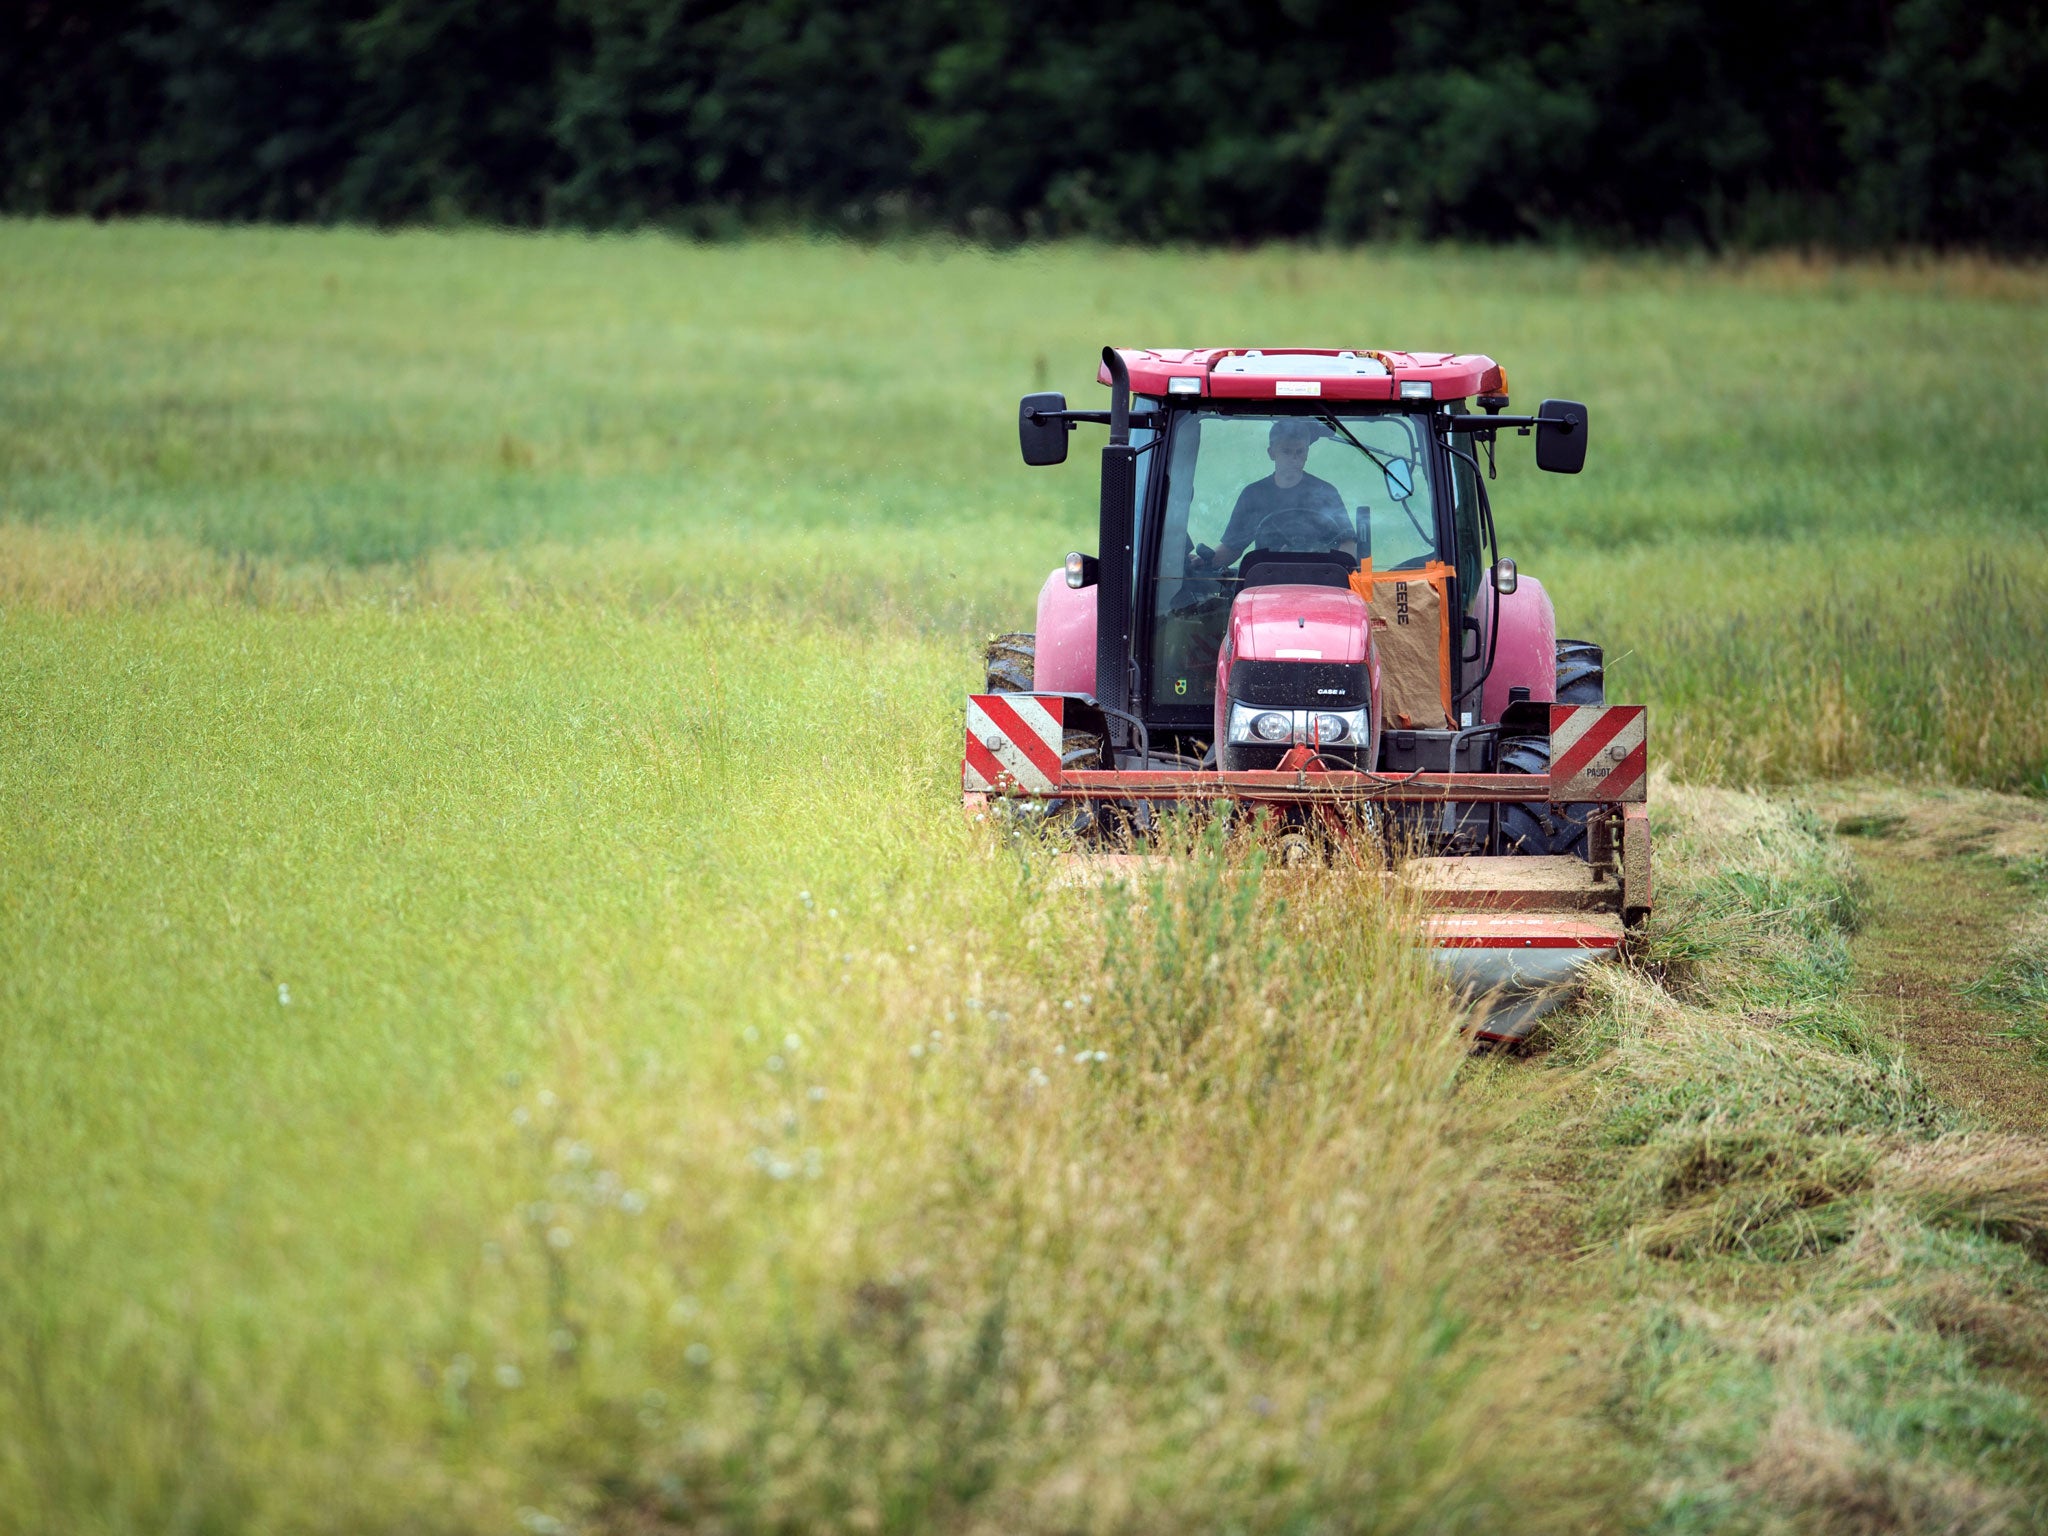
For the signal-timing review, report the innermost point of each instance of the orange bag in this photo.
(1411, 612)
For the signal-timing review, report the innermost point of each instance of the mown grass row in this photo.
(2019, 982)
(1831, 1274)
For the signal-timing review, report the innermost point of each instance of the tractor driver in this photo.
(1288, 510)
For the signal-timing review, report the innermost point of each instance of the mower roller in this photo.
(1298, 613)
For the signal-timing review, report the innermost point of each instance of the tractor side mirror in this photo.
(1561, 437)
(1043, 437)
(1506, 578)
(1400, 478)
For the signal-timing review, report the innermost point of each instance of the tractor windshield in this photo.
(1358, 486)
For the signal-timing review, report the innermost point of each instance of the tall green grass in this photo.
(465, 1063)
(1916, 659)
(1809, 536)
(2018, 983)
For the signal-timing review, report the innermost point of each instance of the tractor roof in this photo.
(1251, 373)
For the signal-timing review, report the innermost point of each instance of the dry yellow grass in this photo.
(1834, 1486)
(1997, 1184)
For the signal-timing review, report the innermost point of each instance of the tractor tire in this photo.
(1012, 662)
(1081, 749)
(1581, 679)
(1537, 826)
(1077, 819)
(1581, 673)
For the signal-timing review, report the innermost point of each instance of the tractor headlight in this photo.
(1250, 723)
(1324, 727)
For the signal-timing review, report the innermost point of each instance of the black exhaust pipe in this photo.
(1119, 397)
(1118, 531)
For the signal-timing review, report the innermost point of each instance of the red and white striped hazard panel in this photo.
(1599, 752)
(1013, 742)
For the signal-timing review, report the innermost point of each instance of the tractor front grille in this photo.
(1302, 684)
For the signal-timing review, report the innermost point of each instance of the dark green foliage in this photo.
(1918, 121)
(79, 100)
(1950, 129)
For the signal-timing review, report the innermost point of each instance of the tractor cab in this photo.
(1298, 563)
(1252, 498)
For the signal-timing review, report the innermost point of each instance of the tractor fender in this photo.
(1527, 653)
(1066, 637)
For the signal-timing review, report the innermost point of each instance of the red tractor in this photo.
(1298, 609)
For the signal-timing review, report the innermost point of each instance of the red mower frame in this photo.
(1601, 754)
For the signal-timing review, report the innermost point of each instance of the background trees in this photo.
(1689, 121)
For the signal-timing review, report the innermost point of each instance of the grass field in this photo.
(501, 1025)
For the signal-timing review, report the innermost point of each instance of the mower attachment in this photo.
(1512, 928)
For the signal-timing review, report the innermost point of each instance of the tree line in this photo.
(1871, 123)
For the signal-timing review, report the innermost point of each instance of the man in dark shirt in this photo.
(1288, 510)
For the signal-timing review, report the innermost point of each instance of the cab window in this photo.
(1470, 558)
(1357, 486)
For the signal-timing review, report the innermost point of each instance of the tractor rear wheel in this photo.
(1581, 673)
(1073, 818)
(1537, 826)
(1080, 749)
(1012, 663)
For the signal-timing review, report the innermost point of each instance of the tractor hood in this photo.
(1311, 649)
(1297, 624)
